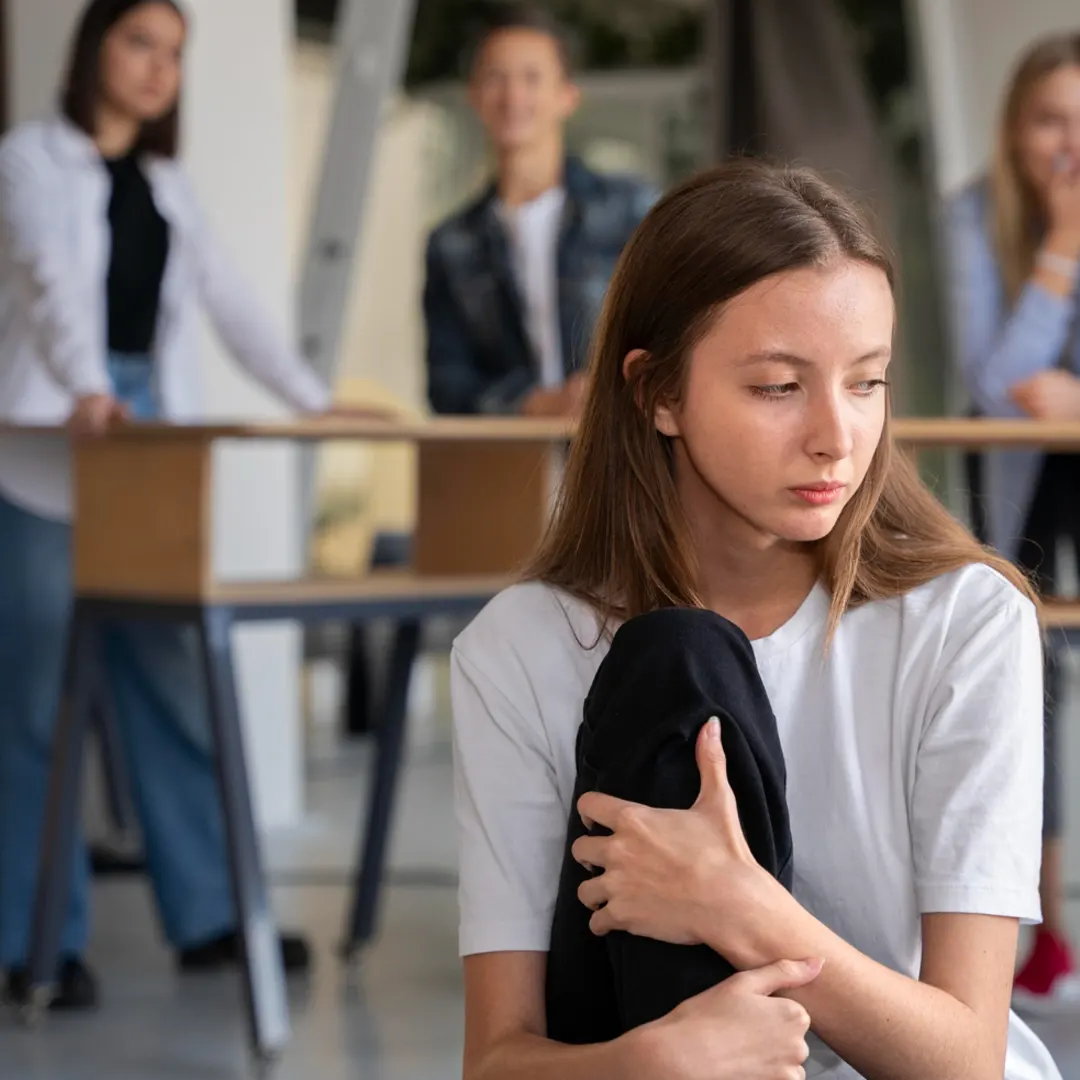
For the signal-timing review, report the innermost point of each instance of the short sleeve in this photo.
(977, 800)
(511, 820)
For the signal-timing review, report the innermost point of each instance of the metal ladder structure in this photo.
(371, 40)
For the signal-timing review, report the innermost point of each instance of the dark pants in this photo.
(667, 673)
(973, 473)
(1054, 513)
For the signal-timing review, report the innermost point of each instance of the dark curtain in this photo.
(786, 83)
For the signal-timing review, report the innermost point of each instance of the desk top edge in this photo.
(388, 586)
(440, 429)
(911, 431)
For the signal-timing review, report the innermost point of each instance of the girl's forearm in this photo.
(885, 1025)
(529, 1057)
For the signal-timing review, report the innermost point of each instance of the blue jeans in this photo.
(153, 675)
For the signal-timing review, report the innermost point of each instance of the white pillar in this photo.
(236, 134)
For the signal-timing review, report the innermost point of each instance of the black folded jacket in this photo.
(665, 675)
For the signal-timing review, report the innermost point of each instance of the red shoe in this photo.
(1048, 982)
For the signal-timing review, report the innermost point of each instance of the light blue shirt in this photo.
(998, 346)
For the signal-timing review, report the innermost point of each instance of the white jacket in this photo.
(54, 260)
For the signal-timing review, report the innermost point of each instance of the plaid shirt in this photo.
(479, 356)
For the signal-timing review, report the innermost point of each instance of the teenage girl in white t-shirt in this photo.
(734, 455)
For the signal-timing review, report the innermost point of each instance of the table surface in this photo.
(405, 586)
(378, 585)
(317, 429)
(915, 431)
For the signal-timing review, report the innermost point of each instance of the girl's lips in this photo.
(819, 494)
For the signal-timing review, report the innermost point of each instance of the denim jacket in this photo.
(999, 344)
(479, 356)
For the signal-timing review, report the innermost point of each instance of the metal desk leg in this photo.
(390, 736)
(357, 682)
(61, 810)
(117, 784)
(264, 979)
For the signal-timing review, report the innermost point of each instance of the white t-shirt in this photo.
(533, 230)
(914, 755)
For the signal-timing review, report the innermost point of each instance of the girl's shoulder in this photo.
(530, 615)
(970, 591)
(949, 610)
(36, 145)
(531, 654)
(969, 208)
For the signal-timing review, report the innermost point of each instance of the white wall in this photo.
(968, 48)
(237, 124)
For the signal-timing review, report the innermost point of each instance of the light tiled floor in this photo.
(396, 1017)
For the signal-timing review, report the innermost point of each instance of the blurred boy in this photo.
(515, 280)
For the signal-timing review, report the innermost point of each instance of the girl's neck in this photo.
(115, 133)
(759, 588)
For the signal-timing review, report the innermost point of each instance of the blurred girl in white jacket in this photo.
(105, 261)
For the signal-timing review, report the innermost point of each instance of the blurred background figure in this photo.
(515, 280)
(1014, 238)
(104, 262)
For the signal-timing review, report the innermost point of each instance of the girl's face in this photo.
(1047, 136)
(784, 405)
(140, 62)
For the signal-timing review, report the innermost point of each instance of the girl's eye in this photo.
(775, 390)
(869, 386)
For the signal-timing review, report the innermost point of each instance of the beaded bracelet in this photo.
(1057, 264)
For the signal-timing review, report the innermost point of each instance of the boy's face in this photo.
(520, 88)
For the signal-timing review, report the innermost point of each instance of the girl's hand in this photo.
(735, 1031)
(361, 412)
(1063, 207)
(94, 413)
(682, 876)
(1049, 395)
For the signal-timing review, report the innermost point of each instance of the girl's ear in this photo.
(665, 422)
(633, 357)
(664, 419)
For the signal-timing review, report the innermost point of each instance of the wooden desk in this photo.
(142, 550)
(1063, 615)
(927, 433)
(482, 498)
(935, 431)
(483, 491)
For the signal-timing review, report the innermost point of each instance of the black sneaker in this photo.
(224, 951)
(76, 986)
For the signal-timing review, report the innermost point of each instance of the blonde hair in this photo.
(619, 539)
(1016, 217)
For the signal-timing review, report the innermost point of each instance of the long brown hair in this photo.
(619, 539)
(82, 85)
(1016, 214)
